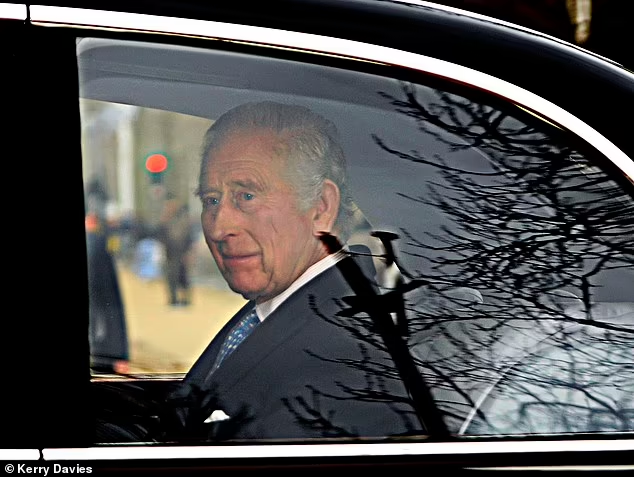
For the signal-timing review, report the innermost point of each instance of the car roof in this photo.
(369, 14)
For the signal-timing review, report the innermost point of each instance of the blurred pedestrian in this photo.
(108, 335)
(176, 234)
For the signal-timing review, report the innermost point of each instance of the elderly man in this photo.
(291, 363)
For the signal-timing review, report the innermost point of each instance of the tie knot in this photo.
(246, 324)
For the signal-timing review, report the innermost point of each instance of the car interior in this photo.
(394, 148)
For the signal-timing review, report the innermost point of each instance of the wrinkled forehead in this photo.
(256, 156)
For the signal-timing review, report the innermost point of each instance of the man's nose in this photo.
(222, 222)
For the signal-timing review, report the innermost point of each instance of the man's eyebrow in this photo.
(205, 191)
(242, 183)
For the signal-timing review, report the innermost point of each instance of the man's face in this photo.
(257, 234)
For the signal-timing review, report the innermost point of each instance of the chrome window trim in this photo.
(19, 454)
(147, 452)
(566, 468)
(134, 22)
(13, 11)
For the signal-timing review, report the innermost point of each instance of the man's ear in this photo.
(327, 208)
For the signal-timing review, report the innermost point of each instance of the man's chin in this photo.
(246, 292)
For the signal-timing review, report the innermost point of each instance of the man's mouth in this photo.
(236, 260)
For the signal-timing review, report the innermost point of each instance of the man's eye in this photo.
(210, 201)
(247, 196)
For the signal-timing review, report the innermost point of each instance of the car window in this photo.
(498, 243)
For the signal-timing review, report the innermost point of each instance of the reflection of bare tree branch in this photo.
(311, 415)
(378, 374)
(383, 334)
(535, 227)
(502, 306)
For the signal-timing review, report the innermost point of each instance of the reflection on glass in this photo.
(501, 250)
(527, 326)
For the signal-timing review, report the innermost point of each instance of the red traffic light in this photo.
(156, 163)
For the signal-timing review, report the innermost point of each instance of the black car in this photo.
(494, 170)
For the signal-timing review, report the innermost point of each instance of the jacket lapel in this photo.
(284, 323)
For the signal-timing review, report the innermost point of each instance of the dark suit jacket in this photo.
(304, 372)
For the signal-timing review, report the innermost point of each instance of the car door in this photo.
(48, 353)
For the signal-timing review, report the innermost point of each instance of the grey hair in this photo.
(314, 152)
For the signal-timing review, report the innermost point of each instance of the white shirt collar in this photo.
(266, 308)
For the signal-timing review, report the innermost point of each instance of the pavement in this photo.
(168, 339)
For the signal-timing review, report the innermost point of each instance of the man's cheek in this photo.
(219, 263)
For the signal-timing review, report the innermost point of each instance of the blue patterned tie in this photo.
(237, 334)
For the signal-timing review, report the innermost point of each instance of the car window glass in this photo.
(504, 249)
